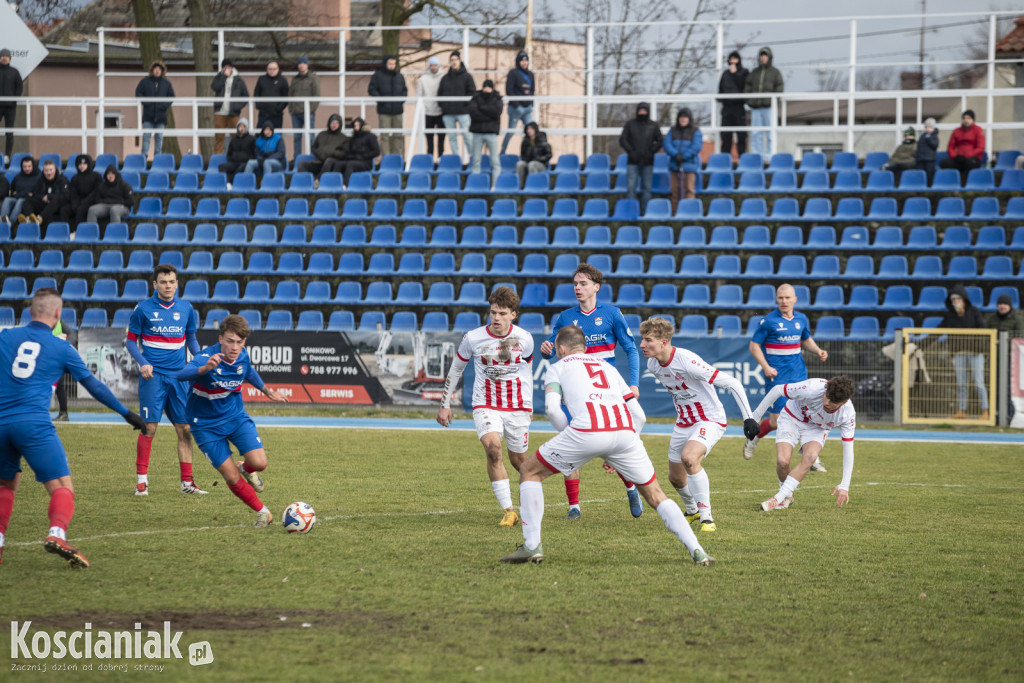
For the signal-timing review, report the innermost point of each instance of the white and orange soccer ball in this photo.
(298, 518)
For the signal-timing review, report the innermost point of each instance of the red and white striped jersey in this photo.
(688, 378)
(594, 393)
(806, 404)
(503, 366)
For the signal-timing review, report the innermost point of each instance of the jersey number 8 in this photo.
(25, 361)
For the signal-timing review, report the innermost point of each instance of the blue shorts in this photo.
(37, 442)
(163, 394)
(214, 441)
(787, 375)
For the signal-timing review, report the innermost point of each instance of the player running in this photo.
(604, 328)
(701, 417)
(812, 408)
(606, 419)
(217, 414)
(31, 360)
(776, 348)
(502, 355)
(163, 325)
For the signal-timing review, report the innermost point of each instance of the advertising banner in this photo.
(1017, 382)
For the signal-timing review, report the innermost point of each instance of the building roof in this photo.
(1013, 42)
(882, 110)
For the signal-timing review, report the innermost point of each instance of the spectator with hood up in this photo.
(520, 86)
(329, 148)
(21, 185)
(154, 114)
(640, 139)
(534, 152)
(967, 356)
(485, 124)
(270, 157)
(113, 198)
(83, 187)
(241, 150)
(765, 79)
(966, 146)
(683, 146)
(732, 82)
(363, 148)
(388, 81)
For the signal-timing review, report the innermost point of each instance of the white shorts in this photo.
(571, 449)
(707, 433)
(513, 426)
(794, 431)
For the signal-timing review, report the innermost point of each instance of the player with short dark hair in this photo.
(163, 325)
(32, 359)
(216, 413)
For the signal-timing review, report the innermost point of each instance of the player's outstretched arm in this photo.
(777, 392)
(724, 380)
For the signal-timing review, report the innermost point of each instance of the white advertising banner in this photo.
(26, 51)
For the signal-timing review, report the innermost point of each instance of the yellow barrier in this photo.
(949, 376)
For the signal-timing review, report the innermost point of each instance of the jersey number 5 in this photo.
(25, 360)
(597, 372)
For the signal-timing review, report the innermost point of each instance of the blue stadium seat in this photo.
(348, 293)
(75, 289)
(507, 183)
(661, 266)
(719, 182)
(825, 267)
(864, 328)
(788, 237)
(378, 293)
(443, 237)
(928, 268)
(913, 180)
(450, 183)
(200, 262)
(695, 296)
(991, 238)
(317, 293)
(383, 236)
(629, 237)
(980, 180)
(326, 236)
(728, 296)
(829, 298)
(753, 208)
(309, 321)
(466, 320)
(411, 264)
(214, 316)
(921, 237)
(781, 162)
(321, 263)
(372, 320)
(630, 295)
(946, 180)
(812, 161)
(956, 238)
(759, 266)
(844, 161)
(1012, 180)
(419, 183)
(750, 161)
(721, 208)
(793, 266)
(279, 320)
(881, 181)
(820, 208)
(135, 290)
(80, 261)
(256, 292)
(854, 237)
(694, 266)
(330, 183)
(724, 237)
(894, 323)
(888, 238)
(694, 325)
(863, 298)
(226, 291)
(440, 294)
(355, 208)
(829, 327)
(504, 237)
(761, 297)
(1012, 292)
(727, 326)
(93, 317)
(916, 209)
(293, 236)
(785, 208)
(874, 161)
(726, 266)
(341, 321)
(381, 264)
(472, 293)
(756, 237)
(603, 262)
(784, 181)
(535, 295)
(409, 293)
(626, 210)
(287, 292)
(752, 181)
(295, 209)
(691, 237)
(821, 237)
(893, 267)
(962, 269)
(140, 262)
(846, 181)
(719, 162)
(818, 181)
(882, 209)
(984, 208)
(421, 163)
(898, 298)
(437, 321)
(384, 209)
(110, 262)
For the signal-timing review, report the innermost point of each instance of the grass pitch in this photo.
(920, 577)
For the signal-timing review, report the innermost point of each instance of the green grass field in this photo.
(920, 577)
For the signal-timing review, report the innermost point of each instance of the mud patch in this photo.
(251, 620)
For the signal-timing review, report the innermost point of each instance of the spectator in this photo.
(520, 84)
(271, 84)
(966, 146)
(305, 84)
(241, 150)
(1018, 163)
(485, 124)
(21, 185)
(5, 191)
(329, 148)
(388, 81)
(10, 87)
(765, 78)
(961, 313)
(732, 82)
(905, 156)
(83, 187)
(50, 200)
(927, 146)
(457, 82)
(426, 88)
(1006, 318)
(113, 198)
(640, 139)
(534, 152)
(683, 146)
(270, 157)
(362, 150)
(154, 114)
(232, 92)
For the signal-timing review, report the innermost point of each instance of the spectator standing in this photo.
(927, 147)
(732, 82)
(11, 87)
(50, 200)
(154, 114)
(83, 187)
(5, 192)
(329, 148)
(21, 185)
(457, 82)
(305, 84)
(388, 81)
(363, 148)
(520, 84)
(683, 146)
(113, 198)
(231, 91)
(640, 139)
(485, 124)
(534, 152)
(961, 313)
(765, 78)
(271, 84)
(270, 157)
(904, 157)
(241, 150)
(426, 88)
(966, 146)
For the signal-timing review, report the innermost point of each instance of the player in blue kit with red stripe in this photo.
(605, 329)
(776, 346)
(162, 326)
(216, 413)
(32, 359)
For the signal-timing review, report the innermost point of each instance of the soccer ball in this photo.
(298, 518)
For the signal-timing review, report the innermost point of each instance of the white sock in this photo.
(143, 478)
(264, 509)
(786, 489)
(241, 466)
(688, 502)
(1, 540)
(58, 532)
(503, 492)
(700, 487)
(531, 510)
(676, 523)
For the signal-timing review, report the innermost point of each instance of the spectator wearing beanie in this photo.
(520, 87)
(11, 87)
(231, 93)
(457, 82)
(640, 139)
(966, 146)
(388, 81)
(683, 146)
(485, 124)
(241, 150)
(904, 157)
(1006, 318)
(154, 114)
(927, 149)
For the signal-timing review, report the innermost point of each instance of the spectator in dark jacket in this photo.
(765, 78)
(113, 198)
(732, 82)
(362, 150)
(520, 87)
(270, 156)
(241, 150)
(5, 190)
(927, 149)
(1006, 318)
(11, 87)
(640, 139)
(154, 114)
(21, 185)
(485, 123)
(966, 146)
(902, 159)
(304, 84)
(967, 356)
(271, 84)
(534, 152)
(51, 199)
(388, 81)
(231, 93)
(329, 148)
(83, 187)
(457, 82)
(683, 145)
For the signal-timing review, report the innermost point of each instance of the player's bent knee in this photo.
(256, 460)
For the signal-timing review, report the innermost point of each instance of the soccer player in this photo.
(605, 328)
(162, 324)
(31, 360)
(812, 408)
(217, 414)
(606, 419)
(502, 355)
(701, 417)
(776, 348)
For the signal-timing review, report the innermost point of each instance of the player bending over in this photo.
(217, 414)
(606, 418)
(812, 408)
(31, 360)
(701, 417)
(502, 355)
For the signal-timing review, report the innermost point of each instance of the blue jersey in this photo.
(780, 340)
(160, 328)
(216, 396)
(604, 328)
